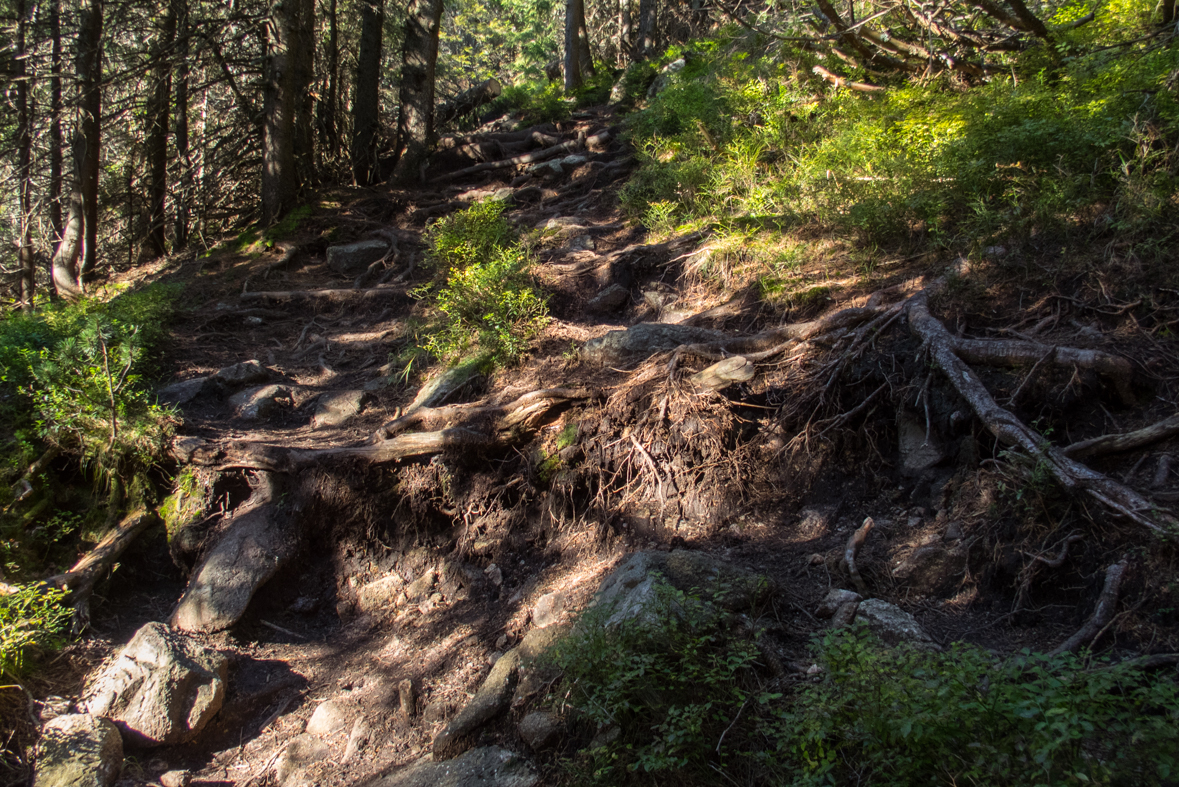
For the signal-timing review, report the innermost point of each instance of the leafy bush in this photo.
(680, 685)
(483, 292)
(31, 619)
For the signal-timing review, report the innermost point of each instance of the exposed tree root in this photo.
(1005, 426)
(1114, 443)
(1102, 615)
(599, 139)
(334, 296)
(849, 554)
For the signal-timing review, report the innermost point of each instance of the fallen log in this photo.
(839, 81)
(333, 296)
(82, 577)
(528, 158)
(1009, 430)
(1114, 443)
(468, 101)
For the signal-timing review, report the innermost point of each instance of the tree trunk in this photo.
(156, 145)
(304, 76)
(583, 43)
(281, 98)
(573, 79)
(89, 66)
(648, 11)
(55, 137)
(24, 146)
(415, 123)
(65, 259)
(328, 107)
(624, 34)
(366, 104)
(182, 201)
(1168, 11)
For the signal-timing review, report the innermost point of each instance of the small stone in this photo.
(835, 599)
(407, 699)
(548, 609)
(78, 750)
(953, 531)
(330, 716)
(422, 586)
(494, 574)
(381, 594)
(610, 299)
(175, 779)
(540, 730)
(892, 624)
(358, 739)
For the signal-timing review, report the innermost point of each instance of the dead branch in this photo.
(1009, 430)
(468, 101)
(1058, 561)
(85, 574)
(1114, 443)
(839, 81)
(849, 554)
(1101, 615)
(1006, 352)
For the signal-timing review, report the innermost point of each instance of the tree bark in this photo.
(1168, 11)
(328, 128)
(584, 52)
(89, 66)
(55, 137)
(573, 79)
(156, 145)
(648, 10)
(366, 104)
(184, 181)
(282, 95)
(24, 144)
(415, 124)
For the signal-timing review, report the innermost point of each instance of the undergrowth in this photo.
(679, 694)
(485, 300)
(746, 136)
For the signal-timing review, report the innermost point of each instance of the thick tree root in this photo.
(849, 554)
(1114, 443)
(1101, 616)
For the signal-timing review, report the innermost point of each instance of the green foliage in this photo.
(743, 136)
(670, 679)
(483, 292)
(906, 716)
(537, 102)
(32, 619)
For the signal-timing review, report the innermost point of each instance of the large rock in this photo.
(78, 750)
(260, 402)
(489, 766)
(239, 375)
(643, 340)
(163, 688)
(491, 700)
(540, 729)
(263, 537)
(337, 407)
(892, 624)
(183, 392)
(351, 258)
(610, 299)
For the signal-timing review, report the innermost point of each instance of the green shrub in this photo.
(32, 619)
(483, 292)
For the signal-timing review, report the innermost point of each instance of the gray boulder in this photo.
(351, 258)
(489, 766)
(78, 750)
(893, 625)
(337, 407)
(241, 374)
(610, 299)
(162, 689)
(260, 402)
(643, 340)
(835, 599)
(183, 392)
(540, 729)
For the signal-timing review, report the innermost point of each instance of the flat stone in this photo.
(492, 699)
(835, 599)
(162, 689)
(338, 407)
(182, 392)
(549, 609)
(350, 258)
(421, 587)
(78, 750)
(329, 716)
(540, 730)
(379, 595)
(242, 374)
(643, 340)
(892, 624)
(574, 160)
(261, 402)
(300, 754)
(489, 766)
(610, 299)
(176, 778)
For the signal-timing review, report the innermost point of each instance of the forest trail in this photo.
(399, 535)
